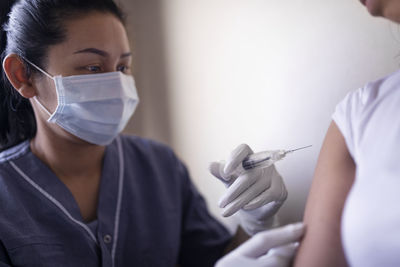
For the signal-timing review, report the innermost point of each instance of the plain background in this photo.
(213, 74)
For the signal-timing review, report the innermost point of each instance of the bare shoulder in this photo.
(333, 178)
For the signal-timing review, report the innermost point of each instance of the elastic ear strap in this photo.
(39, 69)
(40, 104)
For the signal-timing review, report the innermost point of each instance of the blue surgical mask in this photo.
(93, 107)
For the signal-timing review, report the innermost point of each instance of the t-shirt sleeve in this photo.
(203, 238)
(346, 115)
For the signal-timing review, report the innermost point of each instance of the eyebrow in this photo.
(100, 52)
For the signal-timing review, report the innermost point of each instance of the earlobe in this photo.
(27, 91)
(15, 71)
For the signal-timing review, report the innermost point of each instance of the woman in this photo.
(72, 191)
(352, 216)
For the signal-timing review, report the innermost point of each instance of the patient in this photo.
(352, 213)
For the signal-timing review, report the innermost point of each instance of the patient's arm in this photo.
(333, 178)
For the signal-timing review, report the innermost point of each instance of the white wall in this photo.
(144, 25)
(267, 73)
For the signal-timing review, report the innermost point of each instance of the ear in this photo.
(16, 73)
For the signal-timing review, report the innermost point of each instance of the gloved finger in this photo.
(233, 207)
(241, 184)
(274, 262)
(262, 242)
(217, 169)
(231, 260)
(262, 199)
(280, 256)
(236, 158)
(253, 191)
(286, 251)
(276, 192)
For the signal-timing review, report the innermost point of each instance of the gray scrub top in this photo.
(149, 213)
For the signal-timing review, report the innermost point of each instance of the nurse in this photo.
(73, 191)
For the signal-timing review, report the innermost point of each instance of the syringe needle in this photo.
(293, 150)
(266, 158)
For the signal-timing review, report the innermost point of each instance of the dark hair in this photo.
(28, 28)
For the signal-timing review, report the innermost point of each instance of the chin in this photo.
(374, 7)
(389, 9)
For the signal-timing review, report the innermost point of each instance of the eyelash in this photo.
(89, 68)
(99, 69)
(127, 68)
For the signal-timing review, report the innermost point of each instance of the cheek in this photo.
(47, 95)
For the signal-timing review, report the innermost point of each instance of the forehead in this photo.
(96, 30)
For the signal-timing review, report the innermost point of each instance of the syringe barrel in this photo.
(263, 159)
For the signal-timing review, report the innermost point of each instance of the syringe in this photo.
(266, 158)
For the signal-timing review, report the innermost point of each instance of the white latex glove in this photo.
(258, 193)
(273, 248)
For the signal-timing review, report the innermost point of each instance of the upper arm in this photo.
(333, 178)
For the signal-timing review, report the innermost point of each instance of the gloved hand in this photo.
(258, 193)
(273, 248)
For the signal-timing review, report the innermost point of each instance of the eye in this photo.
(123, 69)
(93, 68)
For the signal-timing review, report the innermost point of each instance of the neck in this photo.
(66, 158)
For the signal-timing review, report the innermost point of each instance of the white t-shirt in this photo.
(369, 120)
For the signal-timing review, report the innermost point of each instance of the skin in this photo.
(389, 9)
(77, 163)
(333, 179)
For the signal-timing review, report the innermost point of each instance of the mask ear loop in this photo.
(48, 75)
(39, 69)
(41, 105)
